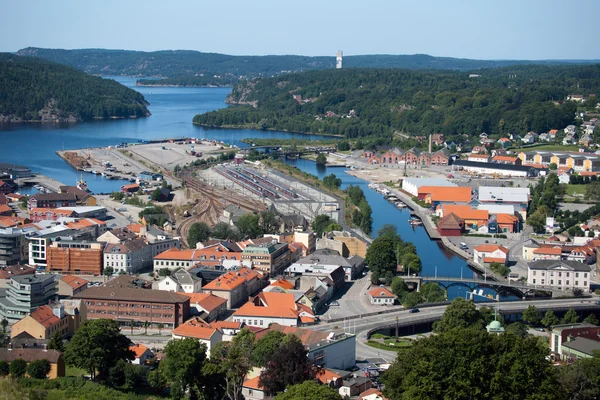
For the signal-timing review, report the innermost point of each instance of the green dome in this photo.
(495, 325)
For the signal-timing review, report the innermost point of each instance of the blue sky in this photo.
(483, 29)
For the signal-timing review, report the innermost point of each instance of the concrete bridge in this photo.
(518, 289)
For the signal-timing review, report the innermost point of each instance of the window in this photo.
(576, 283)
(576, 274)
(585, 275)
(567, 282)
(534, 273)
(534, 281)
(567, 274)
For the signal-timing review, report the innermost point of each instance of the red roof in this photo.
(138, 349)
(253, 383)
(75, 282)
(282, 283)
(44, 316)
(207, 301)
(269, 304)
(465, 212)
(460, 194)
(5, 208)
(381, 292)
(494, 260)
(325, 376)
(555, 251)
(490, 248)
(195, 328)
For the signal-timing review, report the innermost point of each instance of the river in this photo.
(34, 145)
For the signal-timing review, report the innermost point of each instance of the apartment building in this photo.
(13, 246)
(44, 322)
(579, 161)
(269, 307)
(25, 293)
(267, 255)
(129, 256)
(559, 274)
(76, 257)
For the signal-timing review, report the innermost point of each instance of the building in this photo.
(480, 158)
(198, 329)
(231, 286)
(210, 255)
(179, 281)
(15, 270)
(471, 218)
(327, 263)
(13, 246)
(412, 185)
(504, 195)
(371, 394)
(130, 256)
(75, 257)
(503, 159)
(495, 169)
(82, 198)
(485, 254)
(559, 274)
(252, 389)
(231, 214)
(49, 214)
(325, 349)
(70, 285)
(450, 225)
(443, 194)
(564, 338)
(142, 354)
(267, 255)
(57, 363)
(269, 307)
(44, 322)
(25, 293)
(130, 188)
(87, 211)
(51, 200)
(381, 296)
(117, 236)
(150, 176)
(127, 305)
(207, 306)
(579, 161)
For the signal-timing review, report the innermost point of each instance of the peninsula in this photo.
(36, 90)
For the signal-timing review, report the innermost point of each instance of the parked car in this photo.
(334, 303)
(413, 310)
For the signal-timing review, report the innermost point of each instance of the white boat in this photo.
(401, 205)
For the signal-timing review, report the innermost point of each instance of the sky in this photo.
(479, 29)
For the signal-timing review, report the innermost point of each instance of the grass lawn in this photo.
(74, 371)
(547, 147)
(575, 189)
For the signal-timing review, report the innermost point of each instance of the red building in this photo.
(450, 225)
(52, 200)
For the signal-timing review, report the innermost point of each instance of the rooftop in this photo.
(207, 301)
(559, 264)
(196, 328)
(110, 292)
(139, 349)
(45, 317)
(381, 293)
(490, 248)
(445, 193)
(583, 345)
(29, 355)
(75, 282)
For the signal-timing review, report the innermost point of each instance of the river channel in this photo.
(34, 145)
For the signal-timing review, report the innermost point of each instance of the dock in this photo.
(51, 184)
(418, 211)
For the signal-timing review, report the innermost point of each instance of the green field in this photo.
(575, 189)
(546, 147)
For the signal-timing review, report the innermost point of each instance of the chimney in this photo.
(430, 143)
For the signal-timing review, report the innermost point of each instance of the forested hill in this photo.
(38, 90)
(367, 102)
(182, 64)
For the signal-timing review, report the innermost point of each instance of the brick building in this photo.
(75, 257)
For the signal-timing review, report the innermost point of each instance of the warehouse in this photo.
(495, 169)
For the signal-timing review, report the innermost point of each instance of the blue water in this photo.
(34, 145)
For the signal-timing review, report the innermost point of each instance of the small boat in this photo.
(401, 205)
(81, 184)
(415, 221)
(95, 172)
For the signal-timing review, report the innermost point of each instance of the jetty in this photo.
(42, 180)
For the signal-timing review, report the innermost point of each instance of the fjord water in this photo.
(34, 145)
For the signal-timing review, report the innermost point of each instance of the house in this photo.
(372, 394)
(129, 256)
(579, 98)
(6, 210)
(54, 357)
(269, 307)
(179, 281)
(530, 137)
(504, 142)
(503, 159)
(355, 385)
(253, 390)
(82, 198)
(552, 133)
(412, 185)
(326, 349)
(231, 214)
(574, 341)
(437, 139)
(43, 322)
(344, 243)
(70, 285)
(381, 296)
(207, 306)
(51, 200)
(328, 263)
(267, 255)
(479, 150)
(450, 225)
(142, 354)
(214, 253)
(490, 253)
(130, 188)
(443, 194)
(231, 286)
(559, 274)
(198, 329)
(507, 223)
(472, 219)
(150, 176)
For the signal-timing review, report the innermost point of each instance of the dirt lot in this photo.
(175, 154)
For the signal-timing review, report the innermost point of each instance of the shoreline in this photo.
(182, 86)
(267, 129)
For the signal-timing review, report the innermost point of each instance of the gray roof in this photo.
(30, 355)
(583, 345)
(493, 193)
(28, 279)
(323, 259)
(553, 264)
(184, 277)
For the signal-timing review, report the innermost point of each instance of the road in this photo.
(361, 326)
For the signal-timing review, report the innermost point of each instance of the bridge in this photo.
(518, 289)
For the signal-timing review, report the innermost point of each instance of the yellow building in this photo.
(57, 363)
(579, 161)
(47, 320)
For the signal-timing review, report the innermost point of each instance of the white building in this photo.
(412, 185)
(381, 296)
(338, 59)
(269, 308)
(490, 253)
(131, 256)
(324, 263)
(496, 194)
(179, 281)
(198, 329)
(559, 274)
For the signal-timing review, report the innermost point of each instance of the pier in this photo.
(42, 180)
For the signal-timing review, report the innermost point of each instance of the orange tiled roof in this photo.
(506, 219)
(553, 131)
(9, 222)
(325, 376)
(370, 392)
(279, 305)
(138, 349)
(465, 212)
(381, 292)
(494, 259)
(135, 228)
(44, 316)
(556, 251)
(5, 208)
(175, 254)
(75, 282)
(539, 166)
(195, 328)
(205, 300)
(490, 248)
(65, 213)
(504, 140)
(448, 193)
(226, 282)
(505, 158)
(282, 283)
(253, 383)
(220, 325)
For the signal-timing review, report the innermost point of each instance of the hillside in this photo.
(184, 64)
(39, 90)
(378, 102)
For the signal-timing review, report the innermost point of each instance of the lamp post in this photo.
(396, 329)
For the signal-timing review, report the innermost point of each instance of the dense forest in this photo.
(181, 63)
(203, 80)
(379, 102)
(39, 90)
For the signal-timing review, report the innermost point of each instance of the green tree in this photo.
(399, 287)
(591, 319)
(265, 347)
(288, 366)
(388, 229)
(592, 191)
(156, 380)
(500, 269)
(531, 316)
(268, 222)
(320, 223)
(517, 328)
(460, 313)
(570, 317)
(56, 342)
(18, 368)
(580, 379)
(234, 360)
(223, 231)
(4, 368)
(552, 166)
(182, 366)
(432, 292)
(412, 299)
(332, 182)
(248, 225)
(381, 254)
(155, 195)
(199, 232)
(160, 327)
(412, 262)
(108, 271)
(164, 272)
(146, 325)
(308, 390)
(321, 159)
(38, 369)
(4, 324)
(550, 319)
(490, 367)
(343, 145)
(97, 346)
